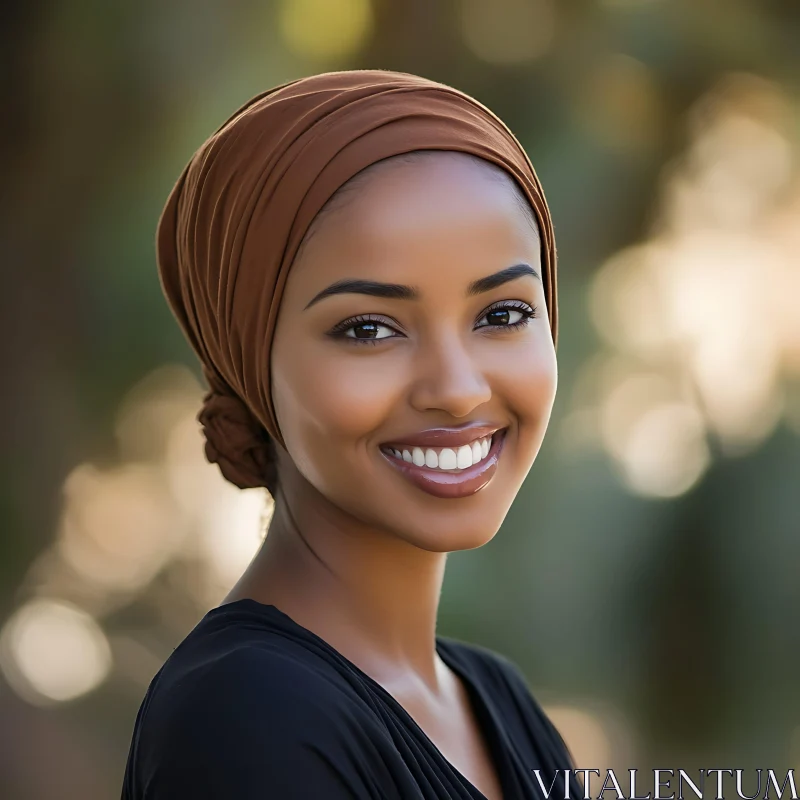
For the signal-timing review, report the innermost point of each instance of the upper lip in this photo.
(446, 436)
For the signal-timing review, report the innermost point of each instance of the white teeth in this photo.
(464, 457)
(446, 458)
(477, 452)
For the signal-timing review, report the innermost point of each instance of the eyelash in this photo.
(340, 330)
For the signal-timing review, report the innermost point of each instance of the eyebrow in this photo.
(398, 291)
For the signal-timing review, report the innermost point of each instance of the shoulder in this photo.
(250, 720)
(507, 685)
(277, 695)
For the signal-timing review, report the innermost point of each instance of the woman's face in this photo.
(361, 373)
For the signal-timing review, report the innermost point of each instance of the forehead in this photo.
(444, 216)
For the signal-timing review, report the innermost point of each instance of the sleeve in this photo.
(255, 727)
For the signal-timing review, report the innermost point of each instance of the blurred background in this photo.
(646, 580)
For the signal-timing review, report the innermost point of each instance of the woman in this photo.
(364, 263)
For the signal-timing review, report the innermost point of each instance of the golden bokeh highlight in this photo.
(656, 437)
(620, 103)
(160, 515)
(629, 4)
(700, 331)
(584, 734)
(52, 651)
(507, 32)
(325, 29)
(119, 525)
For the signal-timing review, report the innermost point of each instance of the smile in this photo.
(447, 459)
(448, 472)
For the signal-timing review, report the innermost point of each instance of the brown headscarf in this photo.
(239, 211)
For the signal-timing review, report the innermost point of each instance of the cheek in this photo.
(526, 377)
(326, 392)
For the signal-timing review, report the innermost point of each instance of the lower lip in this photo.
(452, 484)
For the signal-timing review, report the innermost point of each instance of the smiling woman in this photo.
(417, 306)
(364, 263)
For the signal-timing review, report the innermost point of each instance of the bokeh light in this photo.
(165, 512)
(325, 29)
(700, 309)
(508, 31)
(620, 104)
(119, 525)
(51, 651)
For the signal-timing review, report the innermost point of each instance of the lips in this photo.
(454, 484)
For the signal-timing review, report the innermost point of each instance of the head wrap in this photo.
(238, 213)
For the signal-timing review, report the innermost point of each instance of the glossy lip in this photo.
(445, 436)
(451, 485)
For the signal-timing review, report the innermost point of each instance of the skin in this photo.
(355, 552)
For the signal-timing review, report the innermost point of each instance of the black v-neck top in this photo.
(253, 706)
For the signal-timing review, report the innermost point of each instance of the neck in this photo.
(370, 595)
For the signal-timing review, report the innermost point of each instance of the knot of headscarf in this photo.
(235, 440)
(240, 209)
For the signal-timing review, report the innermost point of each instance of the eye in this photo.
(363, 329)
(508, 314)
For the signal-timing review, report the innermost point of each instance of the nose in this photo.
(449, 378)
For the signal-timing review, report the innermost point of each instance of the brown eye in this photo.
(364, 329)
(510, 314)
(367, 330)
(500, 317)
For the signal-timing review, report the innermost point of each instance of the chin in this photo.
(450, 540)
(447, 526)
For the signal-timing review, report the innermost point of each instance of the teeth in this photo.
(464, 457)
(446, 458)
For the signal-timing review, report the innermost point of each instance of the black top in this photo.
(252, 706)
